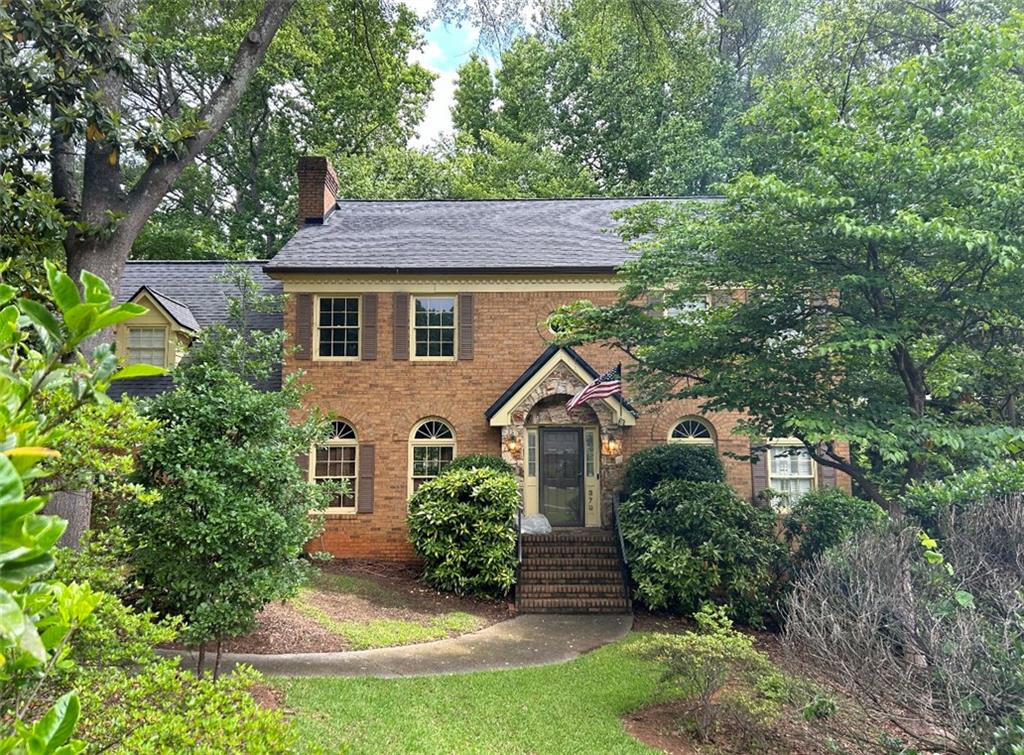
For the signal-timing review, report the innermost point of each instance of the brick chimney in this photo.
(318, 189)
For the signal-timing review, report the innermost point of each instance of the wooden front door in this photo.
(561, 475)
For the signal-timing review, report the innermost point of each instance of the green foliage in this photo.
(673, 461)
(39, 614)
(463, 525)
(480, 461)
(472, 112)
(931, 502)
(718, 672)
(226, 536)
(161, 709)
(691, 542)
(826, 517)
(868, 319)
(228, 532)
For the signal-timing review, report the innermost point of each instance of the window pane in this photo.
(434, 326)
(338, 327)
(147, 346)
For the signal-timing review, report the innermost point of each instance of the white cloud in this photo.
(437, 119)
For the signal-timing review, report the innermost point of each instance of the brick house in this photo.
(419, 326)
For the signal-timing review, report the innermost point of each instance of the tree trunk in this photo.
(202, 661)
(103, 258)
(216, 662)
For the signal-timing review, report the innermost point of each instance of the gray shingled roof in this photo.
(179, 312)
(460, 235)
(194, 287)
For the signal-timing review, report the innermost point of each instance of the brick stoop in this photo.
(571, 571)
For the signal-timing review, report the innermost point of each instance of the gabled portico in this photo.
(568, 463)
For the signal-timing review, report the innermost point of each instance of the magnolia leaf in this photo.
(138, 370)
(64, 290)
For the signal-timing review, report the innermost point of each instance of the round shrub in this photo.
(673, 461)
(691, 542)
(824, 518)
(480, 461)
(463, 525)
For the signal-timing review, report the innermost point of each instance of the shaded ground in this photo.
(355, 606)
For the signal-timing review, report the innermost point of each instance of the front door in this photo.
(561, 475)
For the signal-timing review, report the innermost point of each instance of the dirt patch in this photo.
(267, 696)
(363, 596)
(660, 727)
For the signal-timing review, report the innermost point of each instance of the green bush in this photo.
(824, 518)
(161, 709)
(930, 502)
(673, 461)
(718, 673)
(481, 461)
(462, 524)
(691, 542)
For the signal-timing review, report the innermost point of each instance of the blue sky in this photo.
(447, 47)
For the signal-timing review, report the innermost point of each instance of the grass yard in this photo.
(568, 708)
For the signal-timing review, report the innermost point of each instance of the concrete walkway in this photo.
(527, 640)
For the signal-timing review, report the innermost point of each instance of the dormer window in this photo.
(147, 346)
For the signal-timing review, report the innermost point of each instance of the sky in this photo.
(447, 47)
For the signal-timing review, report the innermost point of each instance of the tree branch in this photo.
(160, 176)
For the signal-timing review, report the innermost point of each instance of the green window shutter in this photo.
(400, 317)
(364, 489)
(368, 326)
(303, 326)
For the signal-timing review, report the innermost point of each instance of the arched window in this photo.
(336, 462)
(692, 430)
(431, 449)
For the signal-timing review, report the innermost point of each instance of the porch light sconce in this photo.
(513, 444)
(611, 446)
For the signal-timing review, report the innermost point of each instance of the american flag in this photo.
(606, 385)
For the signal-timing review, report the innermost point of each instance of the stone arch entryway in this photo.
(537, 437)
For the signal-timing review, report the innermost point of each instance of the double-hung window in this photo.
(433, 327)
(336, 462)
(790, 471)
(431, 449)
(337, 327)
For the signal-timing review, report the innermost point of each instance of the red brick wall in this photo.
(384, 399)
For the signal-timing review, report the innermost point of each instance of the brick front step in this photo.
(575, 605)
(530, 575)
(565, 549)
(572, 536)
(571, 588)
(571, 561)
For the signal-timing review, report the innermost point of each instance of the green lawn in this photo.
(568, 708)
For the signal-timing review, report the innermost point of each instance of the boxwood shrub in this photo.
(483, 461)
(673, 461)
(462, 524)
(691, 542)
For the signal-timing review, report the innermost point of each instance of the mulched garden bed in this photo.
(354, 605)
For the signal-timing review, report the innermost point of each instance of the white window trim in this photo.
(788, 443)
(164, 337)
(455, 328)
(712, 441)
(336, 443)
(675, 312)
(316, 327)
(415, 443)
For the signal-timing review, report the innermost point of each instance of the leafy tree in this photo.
(474, 97)
(227, 534)
(879, 265)
(39, 615)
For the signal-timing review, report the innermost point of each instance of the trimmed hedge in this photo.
(480, 461)
(673, 461)
(463, 525)
(692, 542)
